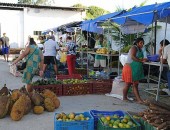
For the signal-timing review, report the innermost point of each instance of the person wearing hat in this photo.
(5, 47)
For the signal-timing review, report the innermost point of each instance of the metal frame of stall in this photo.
(161, 65)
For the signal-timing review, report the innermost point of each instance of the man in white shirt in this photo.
(50, 51)
(166, 59)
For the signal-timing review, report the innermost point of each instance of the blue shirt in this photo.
(71, 48)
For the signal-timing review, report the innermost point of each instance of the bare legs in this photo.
(135, 91)
(55, 69)
(29, 88)
(4, 57)
(125, 91)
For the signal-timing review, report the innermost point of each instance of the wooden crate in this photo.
(56, 88)
(101, 87)
(77, 89)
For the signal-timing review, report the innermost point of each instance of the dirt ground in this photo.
(82, 103)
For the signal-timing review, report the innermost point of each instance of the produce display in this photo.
(115, 121)
(46, 82)
(157, 116)
(19, 102)
(74, 81)
(71, 117)
(102, 51)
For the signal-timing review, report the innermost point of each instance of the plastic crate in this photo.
(101, 126)
(153, 57)
(74, 76)
(75, 125)
(96, 113)
(146, 126)
(77, 89)
(102, 86)
(56, 88)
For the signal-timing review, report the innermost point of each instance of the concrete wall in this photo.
(18, 25)
(12, 24)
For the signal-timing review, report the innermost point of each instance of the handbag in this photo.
(24, 64)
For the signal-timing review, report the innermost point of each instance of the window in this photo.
(37, 32)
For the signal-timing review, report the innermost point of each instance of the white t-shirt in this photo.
(50, 47)
(166, 54)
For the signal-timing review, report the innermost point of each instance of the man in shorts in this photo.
(50, 51)
(5, 47)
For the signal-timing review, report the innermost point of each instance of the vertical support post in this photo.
(119, 55)
(155, 37)
(161, 66)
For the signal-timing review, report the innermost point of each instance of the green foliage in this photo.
(79, 6)
(94, 12)
(36, 2)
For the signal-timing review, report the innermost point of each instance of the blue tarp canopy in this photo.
(63, 27)
(145, 15)
(106, 17)
(91, 25)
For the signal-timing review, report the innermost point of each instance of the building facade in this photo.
(19, 21)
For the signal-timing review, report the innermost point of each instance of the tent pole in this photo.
(108, 57)
(161, 66)
(155, 37)
(137, 31)
(87, 53)
(119, 55)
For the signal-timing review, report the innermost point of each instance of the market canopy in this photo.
(92, 26)
(106, 17)
(65, 27)
(145, 15)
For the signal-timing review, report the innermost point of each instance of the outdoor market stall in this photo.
(146, 15)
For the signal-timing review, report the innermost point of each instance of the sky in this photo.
(109, 5)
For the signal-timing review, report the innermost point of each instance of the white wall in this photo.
(12, 25)
(18, 25)
(42, 19)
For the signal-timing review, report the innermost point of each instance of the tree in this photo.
(79, 6)
(92, 11)
(36, 2)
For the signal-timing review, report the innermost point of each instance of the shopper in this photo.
(52, 35)
(100, 61)
(1, 43)
(34, 57)
(165, 58)
(133, 70)
(5, 47)
(60, 42)
(50, 51)
(71, 55)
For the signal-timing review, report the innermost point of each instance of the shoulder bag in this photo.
(25, 63)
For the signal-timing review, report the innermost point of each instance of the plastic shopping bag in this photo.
(63, 57)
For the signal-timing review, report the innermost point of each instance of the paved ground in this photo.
(68, 104)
